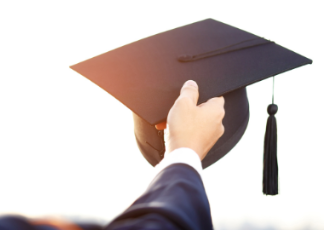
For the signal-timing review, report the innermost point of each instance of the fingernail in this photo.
(192, 83)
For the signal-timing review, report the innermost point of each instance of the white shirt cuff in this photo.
(183, 156)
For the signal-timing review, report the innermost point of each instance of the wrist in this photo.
(180, 156)
(173, 145)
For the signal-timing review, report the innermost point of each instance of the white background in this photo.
(67, 147)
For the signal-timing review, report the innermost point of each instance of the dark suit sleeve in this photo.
(175, 199)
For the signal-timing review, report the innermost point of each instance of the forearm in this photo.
(175, 199)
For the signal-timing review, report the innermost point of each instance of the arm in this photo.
(176, 198)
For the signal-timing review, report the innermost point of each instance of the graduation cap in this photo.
(147, 75)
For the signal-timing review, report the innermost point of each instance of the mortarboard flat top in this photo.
(147, 75)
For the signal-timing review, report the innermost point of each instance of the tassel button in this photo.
(272, 109)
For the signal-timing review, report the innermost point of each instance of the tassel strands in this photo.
(270, 169)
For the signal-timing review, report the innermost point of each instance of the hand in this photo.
(191, 126)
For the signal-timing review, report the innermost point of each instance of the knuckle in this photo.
(214, 99)
(190, 90)
(183, 100)
(222, 100)
(219, 111)
(190, 87)
(222, 112)
(222, 130)
(218, 100)
(187, 88)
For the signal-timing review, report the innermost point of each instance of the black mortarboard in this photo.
(147, 75)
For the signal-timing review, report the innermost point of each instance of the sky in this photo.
(67, 147)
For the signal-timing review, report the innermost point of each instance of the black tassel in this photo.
(270, 171)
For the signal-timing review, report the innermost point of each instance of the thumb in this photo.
(191, 90)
